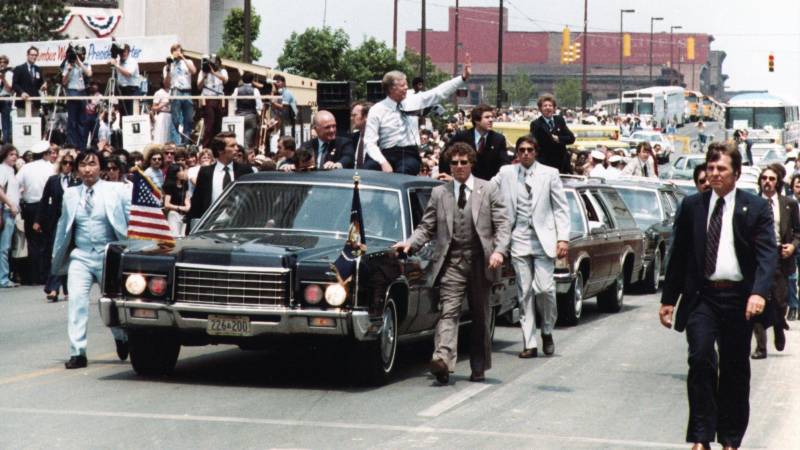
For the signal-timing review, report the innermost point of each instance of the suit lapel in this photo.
(740, 221)
(449, 203)
(476, 198)
(536, 187)
(700, 226)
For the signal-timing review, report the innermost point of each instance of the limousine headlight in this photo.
(135, 284)
(335, 294)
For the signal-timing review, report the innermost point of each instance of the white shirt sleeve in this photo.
(433, 96)
(259, 102)
(371, 136)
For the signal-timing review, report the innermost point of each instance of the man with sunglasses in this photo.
(787, 238)
(47, 216)
(537, 209)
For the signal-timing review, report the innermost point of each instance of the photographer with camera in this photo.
(28, 81)
(127, 74)
(74, 74)
(287, 105)
(6, 82)
(177, 75)
(211, 79)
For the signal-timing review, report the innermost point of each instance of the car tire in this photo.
(153, 353)
(570, 305)
(653, 274)
(382, 354)
(610, 300)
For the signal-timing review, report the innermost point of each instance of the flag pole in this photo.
(356, 179)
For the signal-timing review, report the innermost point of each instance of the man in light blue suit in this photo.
(538, 210)
(93, 214)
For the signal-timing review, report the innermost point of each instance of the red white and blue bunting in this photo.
(102, 25)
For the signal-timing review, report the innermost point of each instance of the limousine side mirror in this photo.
(597, 227)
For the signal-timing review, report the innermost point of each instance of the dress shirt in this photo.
(92, 227)
(478, 136)
(457, 186)
(32, 178)
(216, 181)
(776, 215)
(389, 124)
(727, 267)
(9, 184)
(64, 179)
(322, 149)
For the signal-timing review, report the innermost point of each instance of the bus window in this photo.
(769, 117)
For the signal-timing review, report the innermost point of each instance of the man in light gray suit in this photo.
(537, 208)
(468, 219)
(642, 165)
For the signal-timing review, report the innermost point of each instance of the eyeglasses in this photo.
(702, 181)
(155, 159)
(114, 168)
(67, 161)
(169, 153)
(459, 162)
(768, 178)
(526, 150)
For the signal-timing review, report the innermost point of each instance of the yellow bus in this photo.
(693, 102)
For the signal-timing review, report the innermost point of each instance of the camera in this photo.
(170, 60)
(116, 50)
(71, 55)
(207, 64)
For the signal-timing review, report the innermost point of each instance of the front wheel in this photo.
(381, 354)
(610, 300)
(570, 305)
(651, 278)
(153, 353)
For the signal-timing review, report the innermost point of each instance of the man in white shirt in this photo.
(391, 138)
(9, 208)
(72, 77)
(598, 169)
(32, 178)
(212, 78)
(214, 178)
(614, 169)
(6, 90)
(127, 77)
(178, 76)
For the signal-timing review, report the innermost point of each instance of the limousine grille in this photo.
(225, 286)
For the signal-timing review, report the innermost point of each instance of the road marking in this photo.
(58, 369)
(454, 400)
(528, 437)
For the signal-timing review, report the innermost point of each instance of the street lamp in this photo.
(621, 13)
(671, 45)
(652, 19)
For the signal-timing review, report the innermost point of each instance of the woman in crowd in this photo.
(206, 158)
(176, 198)
(154, 159)
(162, 116)
(116, 170)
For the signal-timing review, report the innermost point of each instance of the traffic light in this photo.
(576, 51)
(690, 48)
(771, 62)
(626, 45)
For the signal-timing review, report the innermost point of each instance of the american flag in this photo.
(147, 220)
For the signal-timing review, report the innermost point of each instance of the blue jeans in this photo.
(182, 114)
(6, 233)
(5, 116)
(793, 301)
(85, 269)
(76, 110)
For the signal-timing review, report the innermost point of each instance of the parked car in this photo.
(605, 249)
(258, 267)
(682, 168)
(766, 154)
(652, 137)
(653, 205)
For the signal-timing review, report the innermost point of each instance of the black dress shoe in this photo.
(122, 349)
(76, 362)
(440, 371)
(477, 377)
(780, 339)
(52, 297)
(792, 314)
(759, 354)
(547, 344)
(529, 353)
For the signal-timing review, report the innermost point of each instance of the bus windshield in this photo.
(645, 108)
(770, 117)
(756, 118)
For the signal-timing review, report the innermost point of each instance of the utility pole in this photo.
(621, 12)
(324, 14)
(500, 59)
(423, 48)
(585, 56)
(455, 43)
(672, 45)
(247, 33)
(652, 19)
(394, 32)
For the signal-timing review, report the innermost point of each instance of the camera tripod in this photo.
(52, 119)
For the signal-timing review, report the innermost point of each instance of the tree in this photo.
(32, 20)
(433, 76)
(520, 89)
(369, 61)
(568, 92)
(316, 53)
(233, 35)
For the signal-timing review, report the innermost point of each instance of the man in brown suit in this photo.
(467, 217)
(787, 236)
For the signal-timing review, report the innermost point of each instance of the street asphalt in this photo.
(616, 381)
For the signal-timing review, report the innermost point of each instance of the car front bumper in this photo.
(563, 281)
(186, 317)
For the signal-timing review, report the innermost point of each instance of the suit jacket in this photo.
(552, 153)
(634, 167)
(116, 199)
(489, 161)
(50, 206)
(550, 208)
(22, 82)
(789, 230)
(489, 215)
(754, 242)
(343, 151)
(201, 198)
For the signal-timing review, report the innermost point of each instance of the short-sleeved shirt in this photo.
(74, 78)
(9, 184)
(287, 98)
(179, 76)
(132, 66)
(9, 76)
(211, 84)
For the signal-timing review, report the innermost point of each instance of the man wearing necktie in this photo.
(330, 151)
(537, 209)
(467, 218)
(28, 81)
(787, 238)
(489, 145)
(642, 165)
(722, 265)
(93, 214)
(212, 180)
(552, 136)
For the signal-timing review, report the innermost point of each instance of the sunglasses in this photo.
(768, 178)
(114, 168)
(526, 150)
(169, 153)
(702, 181)
(459, 162)
(155, 159)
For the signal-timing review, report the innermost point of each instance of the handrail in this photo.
(52, 98)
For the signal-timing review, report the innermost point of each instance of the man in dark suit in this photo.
(490, 145)
(722, 262)
(552, 135)
(330, 151)
(787, 237)
(47, 215)
(358, 119)
(28, 80)
(213, 179)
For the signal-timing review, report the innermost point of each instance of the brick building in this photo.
(538, 54)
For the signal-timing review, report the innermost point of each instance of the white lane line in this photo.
(454, 400)
(528, 437)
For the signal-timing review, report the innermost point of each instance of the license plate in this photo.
(228, 325)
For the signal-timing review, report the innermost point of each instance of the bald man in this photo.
(330, 151)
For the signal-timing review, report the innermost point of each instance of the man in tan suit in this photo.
(467, 217)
